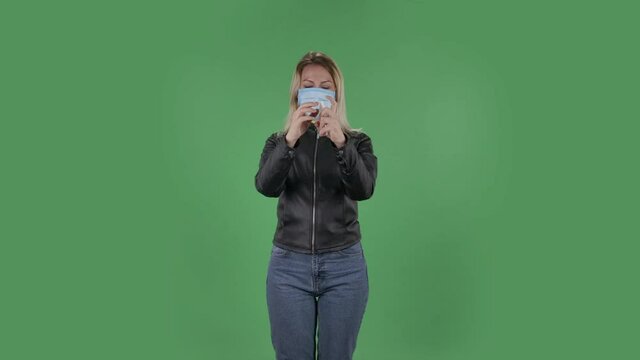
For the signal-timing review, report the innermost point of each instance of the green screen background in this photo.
(504, 221)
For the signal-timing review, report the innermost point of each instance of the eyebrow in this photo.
(320, 83)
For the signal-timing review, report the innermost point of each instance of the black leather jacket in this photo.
(318, 186)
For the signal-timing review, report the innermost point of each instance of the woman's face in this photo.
(314, 75)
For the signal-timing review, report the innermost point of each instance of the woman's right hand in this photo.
(300, 122)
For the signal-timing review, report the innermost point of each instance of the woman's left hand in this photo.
(328, 124)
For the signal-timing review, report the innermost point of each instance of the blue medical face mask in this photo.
(306, 95)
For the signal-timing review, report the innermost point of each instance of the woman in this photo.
(317, 273)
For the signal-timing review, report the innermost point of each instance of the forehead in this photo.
(315, 72)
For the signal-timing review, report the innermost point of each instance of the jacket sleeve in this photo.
(358, 166)
(275, 163)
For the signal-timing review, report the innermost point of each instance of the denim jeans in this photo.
(328, 290)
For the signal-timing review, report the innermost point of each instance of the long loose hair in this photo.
(324, 60)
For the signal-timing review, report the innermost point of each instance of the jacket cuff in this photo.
(283, 148)
(346, 155)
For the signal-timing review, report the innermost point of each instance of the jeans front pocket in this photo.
(278, 251)
(353, 250)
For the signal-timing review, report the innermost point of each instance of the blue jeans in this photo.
(328, 290)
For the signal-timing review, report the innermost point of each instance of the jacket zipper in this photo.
(313, 221)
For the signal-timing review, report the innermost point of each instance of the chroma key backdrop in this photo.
(504, 219)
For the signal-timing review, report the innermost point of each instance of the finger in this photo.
(309, 112)
(331, 112)
(309, 104)
(325, 131)
(306, 106)
(322, 121)
(330, 122)
(305, 111)
(303, 119)
(327, 113)
(333, 101)
(324, 125)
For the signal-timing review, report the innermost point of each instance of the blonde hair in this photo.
(324, 60)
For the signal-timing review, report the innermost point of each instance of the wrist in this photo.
(290, 140)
